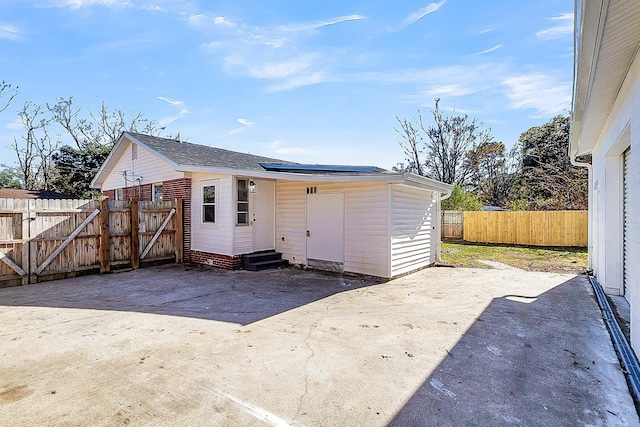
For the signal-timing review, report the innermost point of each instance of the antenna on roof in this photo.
(178, 137)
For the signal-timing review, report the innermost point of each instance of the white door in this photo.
(263, 206)
(325, 227)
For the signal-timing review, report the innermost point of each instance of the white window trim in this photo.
(118, 194)
(153, 190)
(236, 202)
(208, 183)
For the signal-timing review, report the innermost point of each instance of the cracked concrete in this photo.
(171, 345)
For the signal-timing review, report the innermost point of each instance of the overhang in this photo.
(607, 36)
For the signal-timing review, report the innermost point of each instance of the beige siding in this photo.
(147, 165)
(412, 233)
(291, 240)
(366, 248)
(243, 239)
(214, 238)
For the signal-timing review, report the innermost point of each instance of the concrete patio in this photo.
(174, 345)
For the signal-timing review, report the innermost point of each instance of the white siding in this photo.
(214, 238)
(291, 240)
(413, 239)
(147, 165)
(620, 131)
(366, 238)
(243, 239)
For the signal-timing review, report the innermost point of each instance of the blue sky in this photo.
(315, 82)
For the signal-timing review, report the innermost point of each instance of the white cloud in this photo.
(482, 52)
(451, 90)
(319, 24)
(298, 81)
(419, 14)
(78, 4)
(10, 32)
(245, 122)
(540, 92)
(563, 28)
(222, 21)
(278, 148)
(170, 101)
(15, 124)
(278, 70)
(166, 121)
(234, 131)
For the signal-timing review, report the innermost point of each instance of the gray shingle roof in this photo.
(186, 153)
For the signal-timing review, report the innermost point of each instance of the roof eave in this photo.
(588, 27)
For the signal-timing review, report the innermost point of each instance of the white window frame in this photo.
(119, 194)
(154, 190)
(238, 201)
(212, 183)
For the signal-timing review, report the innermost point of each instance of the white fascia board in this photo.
(588, 30)
(289, 176)
(107, 167)
(426, 183)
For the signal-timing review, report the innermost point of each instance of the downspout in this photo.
(439, 225)
(589, 168)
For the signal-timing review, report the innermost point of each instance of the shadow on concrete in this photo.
(240, 297)
(527, 361)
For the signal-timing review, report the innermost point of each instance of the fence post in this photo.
(135, 242)
(26, 243)
(179, 236)
(105, 242)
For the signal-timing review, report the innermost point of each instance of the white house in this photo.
(606, 124)
(357, 219)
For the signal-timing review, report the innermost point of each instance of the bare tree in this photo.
(98, 131)
(412, 145)
(7, 90)
(439, 151)
(34, 153)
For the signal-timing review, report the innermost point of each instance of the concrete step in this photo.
(265, 265)
(263, 260)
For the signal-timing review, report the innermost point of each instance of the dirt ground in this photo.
(170, 345)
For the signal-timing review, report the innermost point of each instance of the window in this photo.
(156, 195)
(209, 203)
(119, 195)
(242, 202)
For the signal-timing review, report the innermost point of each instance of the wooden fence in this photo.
(535, 228)
(43, 240)
(452, 222)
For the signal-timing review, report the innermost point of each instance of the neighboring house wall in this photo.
(413, 221)
(618, 134)
(367, 245)
(143, 164)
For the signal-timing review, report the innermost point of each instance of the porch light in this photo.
(252, 187)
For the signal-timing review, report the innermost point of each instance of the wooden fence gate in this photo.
(44, 240)
(452, 224)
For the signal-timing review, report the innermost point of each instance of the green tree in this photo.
(8, 178)
(461, 200)
(492, 172)
(548, 180)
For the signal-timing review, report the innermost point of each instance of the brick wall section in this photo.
(181, 189)
(217, 260)
(134, 191)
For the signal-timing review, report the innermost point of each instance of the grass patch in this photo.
(558, 260)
